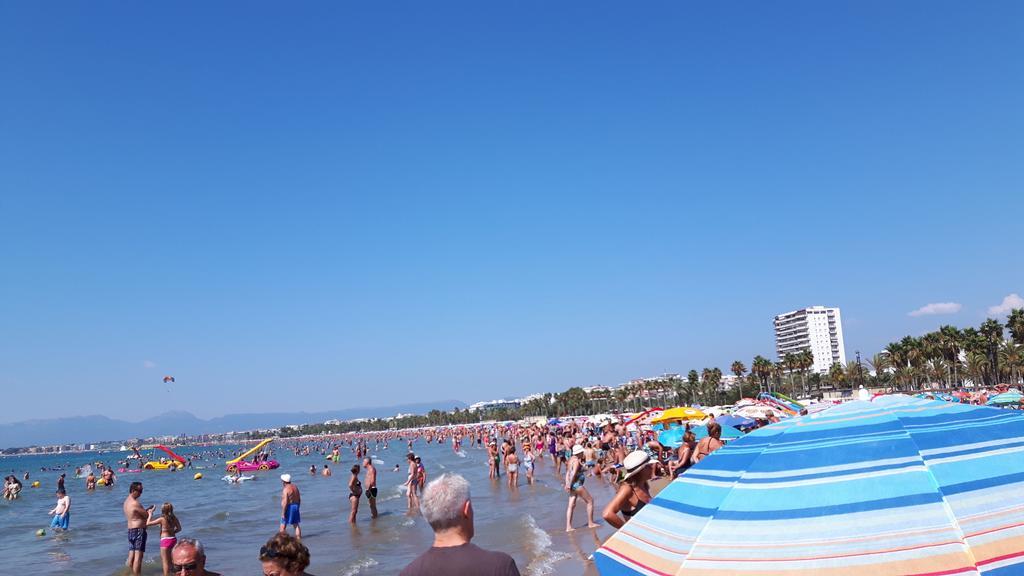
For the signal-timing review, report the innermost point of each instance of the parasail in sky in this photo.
(168, 379)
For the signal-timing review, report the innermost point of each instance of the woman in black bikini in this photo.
(355, 490)
(633, 493)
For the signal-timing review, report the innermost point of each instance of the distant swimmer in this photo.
(312, 469)
(327, 471)
(137, 518)
(370, 481)
(108, 477)
(90, 481)
(290, 500)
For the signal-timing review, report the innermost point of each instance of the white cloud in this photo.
(936, 308)
(1009, 303)
(148, 364)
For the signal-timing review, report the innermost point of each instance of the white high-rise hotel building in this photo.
(818, 329)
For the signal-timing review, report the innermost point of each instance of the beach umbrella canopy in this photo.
(896, 486)
(681, 413)
(554, 422)
(673, 437)
(1005, 399)
(728, 432)
(735, 421)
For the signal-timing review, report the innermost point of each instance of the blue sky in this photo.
(332, 204)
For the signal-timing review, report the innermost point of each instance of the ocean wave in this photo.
(358, 566)
(538, 544)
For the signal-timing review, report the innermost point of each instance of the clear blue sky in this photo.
(333, 204)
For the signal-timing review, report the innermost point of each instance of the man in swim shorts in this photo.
(290, 500)
(370, 481)
(137, 518)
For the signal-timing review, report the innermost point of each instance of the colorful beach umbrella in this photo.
(896, 486)
(681, 413)
(735, 421)
(1005, 399)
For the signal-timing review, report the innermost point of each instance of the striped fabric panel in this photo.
(895, 486)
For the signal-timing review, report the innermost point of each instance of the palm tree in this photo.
(1015, 323)
(836, 374)
(936, 369)
(805, 361)
(992, 331)
(692, 385)
(1010, 357)
(621, 394)
(761, 366)
(738, 370)
(949, 340)
(977, 366)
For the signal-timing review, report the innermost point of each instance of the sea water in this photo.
(233, 521)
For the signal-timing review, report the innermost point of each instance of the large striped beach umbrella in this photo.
(895, 486)
(1005, 399)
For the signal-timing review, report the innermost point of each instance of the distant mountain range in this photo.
(86, 429)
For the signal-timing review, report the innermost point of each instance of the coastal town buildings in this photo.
(818, 329)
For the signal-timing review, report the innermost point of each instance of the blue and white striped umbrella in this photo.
(1005, 399)
(895, 486)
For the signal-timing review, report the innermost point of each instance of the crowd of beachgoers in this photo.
(627, 451)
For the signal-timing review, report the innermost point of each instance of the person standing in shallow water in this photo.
(169, 528)
(574, 478)
(355, 492)
(137, 518)
(411, 483)
(370, 481)
(290, 501)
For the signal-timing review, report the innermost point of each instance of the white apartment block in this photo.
(818, 329)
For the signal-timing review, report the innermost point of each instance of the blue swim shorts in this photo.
(291, 515)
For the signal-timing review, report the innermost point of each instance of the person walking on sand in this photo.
(574, 478)
(62, 511)
(355, 492)
(370, 481)
(169, 528)
(290, 501)
(137, 518)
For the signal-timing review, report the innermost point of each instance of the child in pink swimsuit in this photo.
(169, 528)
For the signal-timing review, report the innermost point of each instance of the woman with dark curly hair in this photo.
(284, 555)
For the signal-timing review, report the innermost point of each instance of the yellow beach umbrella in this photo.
(681, 413)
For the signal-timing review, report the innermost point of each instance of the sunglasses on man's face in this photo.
(190, 567)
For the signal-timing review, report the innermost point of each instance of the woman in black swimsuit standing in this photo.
(355, 490)
(634, 492)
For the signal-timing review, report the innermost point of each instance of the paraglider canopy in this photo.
(168, 379)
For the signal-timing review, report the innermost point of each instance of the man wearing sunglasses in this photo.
(189, 559)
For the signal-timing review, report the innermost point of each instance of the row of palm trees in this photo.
(950, 356)
(981, 356)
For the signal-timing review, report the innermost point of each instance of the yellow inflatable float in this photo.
(198, 476)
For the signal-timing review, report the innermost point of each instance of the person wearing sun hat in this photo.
(634, 492)
(290, 500)
(574, 477)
